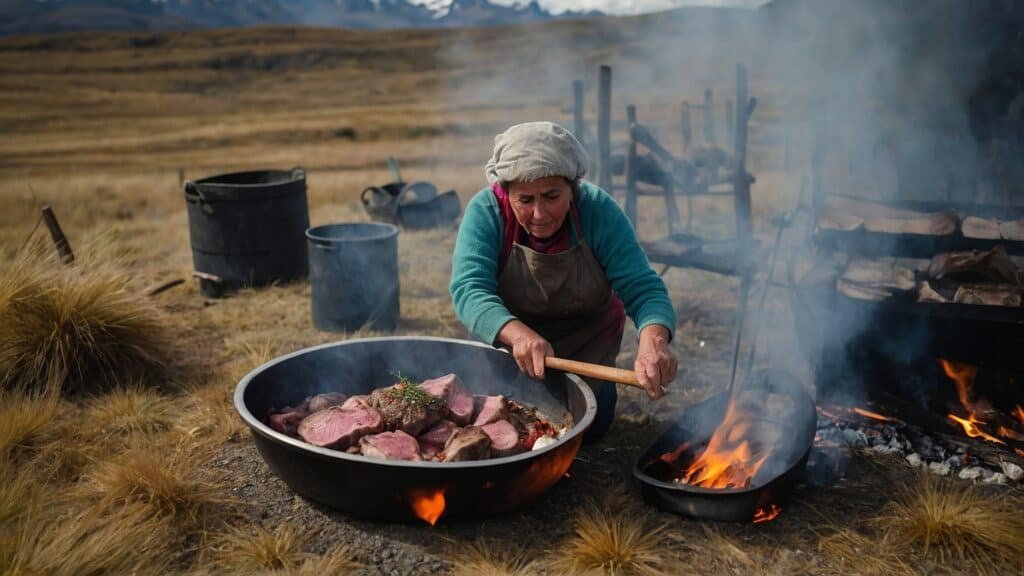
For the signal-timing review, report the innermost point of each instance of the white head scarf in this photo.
(534, 150)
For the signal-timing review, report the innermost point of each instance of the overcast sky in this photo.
(614, 6)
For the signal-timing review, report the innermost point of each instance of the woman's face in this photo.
(540, 206)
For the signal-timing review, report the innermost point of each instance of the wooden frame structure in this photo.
(688, 175)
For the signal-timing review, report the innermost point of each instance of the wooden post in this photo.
(631, 202)
(686, 126)
(709, 117)
(604, 122)
(730, 124)
(672, 209)
(577, 109)
(59, 240)
(744, 223)
(818, 159)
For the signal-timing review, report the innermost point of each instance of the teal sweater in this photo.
(474, 285)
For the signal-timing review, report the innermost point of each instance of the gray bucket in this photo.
(353, 273)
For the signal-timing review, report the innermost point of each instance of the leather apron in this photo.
(564, 297)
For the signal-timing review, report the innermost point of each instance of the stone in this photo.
(971, 473)
(855, 438)
(1012, 471)
(939, 468)
(914, 460)
(995, 478)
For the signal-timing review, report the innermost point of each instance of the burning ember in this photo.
(728, 462)
(428, 503)
(1018, 413)
(762, 515)
(874, 415)
(971, 429)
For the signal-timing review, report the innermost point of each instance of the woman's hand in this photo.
(528, 348)
(655, 365)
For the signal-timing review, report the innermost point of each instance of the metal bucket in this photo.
(246, 229)
(354, 276)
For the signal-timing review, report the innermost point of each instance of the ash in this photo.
(838, 436)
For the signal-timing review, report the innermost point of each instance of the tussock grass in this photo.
(209, 417)
(494, 558)
(615, 540)
(74, 327)
(25, 419)
(850, 552)
(955, 522)
(243, 550)
(706, 550)
(158, 483)
(128, 412)
(93, 542)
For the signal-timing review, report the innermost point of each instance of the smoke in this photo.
(901, 100)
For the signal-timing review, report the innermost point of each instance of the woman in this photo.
(548, 265)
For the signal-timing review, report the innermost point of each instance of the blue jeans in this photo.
(606, 400)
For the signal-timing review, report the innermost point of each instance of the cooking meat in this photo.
(460, 401)
(488, 409)
(504, 438)
(338, 427)
(326, 400)
(287, 422)
(356, 400)
(436, 420)
(390, 446)
(407, 407)
(432, 441)
(470, 443)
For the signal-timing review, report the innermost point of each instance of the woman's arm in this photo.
(474, 284)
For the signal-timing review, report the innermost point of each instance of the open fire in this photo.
(963, 376)
(729, 461)
(428, 503)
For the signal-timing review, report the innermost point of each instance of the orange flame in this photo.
(428, 503)
(874, 415)
(761, 515)
(972, 430)
(728, 461)
(1019, 452)
(963, 376)
(1018, 413)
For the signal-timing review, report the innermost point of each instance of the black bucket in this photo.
(247, 229)
(354, 276)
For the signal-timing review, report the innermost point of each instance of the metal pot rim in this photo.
(259, 427)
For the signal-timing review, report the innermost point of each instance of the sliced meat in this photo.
(488, 409)
(326, 400)
(354, 401)
(338, 427)
(432, 441)
(390, 446)
(504, 438)
(470, 443)
(459, 400)
(407, 407)
(287, 422)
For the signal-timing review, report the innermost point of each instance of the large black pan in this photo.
(771, 485)
(392, 490)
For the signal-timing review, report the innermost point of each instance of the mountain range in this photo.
(47, 16)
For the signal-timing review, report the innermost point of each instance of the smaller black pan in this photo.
(771, 486)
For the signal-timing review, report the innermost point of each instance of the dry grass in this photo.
(74, 328)
(25, 420)
(94, 542)
(128, 412)
(499, 559)
(853, 553)
(614, 539)
(955, 522)
(244, 550)
(159, 482)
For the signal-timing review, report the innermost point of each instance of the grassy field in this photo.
(143, 475)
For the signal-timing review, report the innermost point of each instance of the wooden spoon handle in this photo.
(617, 375)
